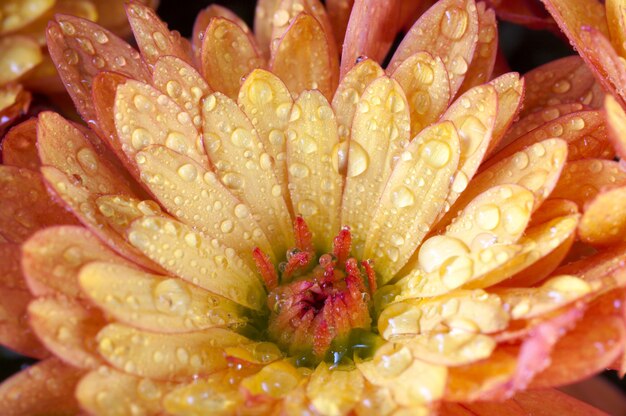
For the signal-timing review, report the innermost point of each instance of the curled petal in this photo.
(510, 89)
(604, 220)
(14, 102)
(19, 55)
(46, 387)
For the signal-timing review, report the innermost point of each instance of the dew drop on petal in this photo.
(453, 24)
(402, 197)
(436, 153)
(188, 172)
(358, 160)
(171, 297)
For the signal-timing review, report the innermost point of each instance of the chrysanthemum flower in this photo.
(253, 226)
(24, 62)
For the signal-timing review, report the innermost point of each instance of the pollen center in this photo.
(317, 303)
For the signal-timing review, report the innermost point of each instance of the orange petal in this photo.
(197, 188)
(52, 258)
(591, 346)
(412, 198)
(81, 49)
(44, 388)
(600, 266)
(615, 16)
(538, 118)
(263, 21)
(582, 180)
(111, 392)
(19, 13)
(553, 402)
(144, 116)
(311, 138)
(510, 89)
(267, 103)
(383, 21)
(156, 303)
(528, 13)
(565, 80)
(449, 30)
(584, 131)
(197, 259)
(64, 147)
(18, 146)
(424, 80)
(604, 220)
(303, 59)
(228, 55)
(153, 37)
(339, 12)
(349, 93)
(202, 22)
(26, 206)
(241, 162)
(182, 83)
(19, 55)
(82, 204)
(616, 122)
(481, 66)
(379, 132)
(166, 356)
(67, 329)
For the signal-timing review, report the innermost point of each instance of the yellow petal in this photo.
(67, 328)
(616, 22)
(18, 13)
(537, 243)
(109, 392)
(424, 80)
(554, 293)
(413, 198)
(197, 259)
(303, 59)
(604, 220)
(267, 103)
(182, 83)
(18, 54)
(82, 204)
(274, 380)
(497, 216)
(314, 183)
(144, 116)
(166, 356)
(26, 206)
(410, 380)
(155, 303)
(449, 30)
(63, 146)
(616, 121)
(469, 310)
(380, 131)
(196, 196)
(243, 165)
(510, 90)
(334, 392)
(537, 168)
(474, 116)
(457, 347)
(582, 180)
(349, 93)
(18, 146)
(52, 258)
(46, 387)
(228, 55)
(484, 58)
(153, 37)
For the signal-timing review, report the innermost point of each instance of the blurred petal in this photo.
(334, 392)
(18, 146)
(18, 54)
(616, 122)
(604, 220)
(44, 388)
(202, 22)
(21, 13)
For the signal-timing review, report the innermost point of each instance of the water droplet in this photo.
(100, 37)
(87, 159)
(226, 226)
(160, 40)
(173, 89)
(142, 103)
(260, 92)
(233, 180)
(299, 170)
(307, 208)
(140, 138)
(210, 103)
(188, 172)
(453, 24)
(438, 249)
(402, 197)
(436, 153)
(241, 138)
(177, 142)
(460, 182)
(456, 271)
(561, 86)
(358, 160)
(395, 102)
(171, 296)
(423, 73)
(281, 17)
(488, 217)
(515, 219)
(241, 211)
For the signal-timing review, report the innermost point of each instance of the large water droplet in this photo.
(358, 159)
(171, 296)
(453, 23)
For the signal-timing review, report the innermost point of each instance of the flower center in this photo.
(317, 304)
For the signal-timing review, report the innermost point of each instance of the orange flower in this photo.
(260, 234)
(23, 59)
